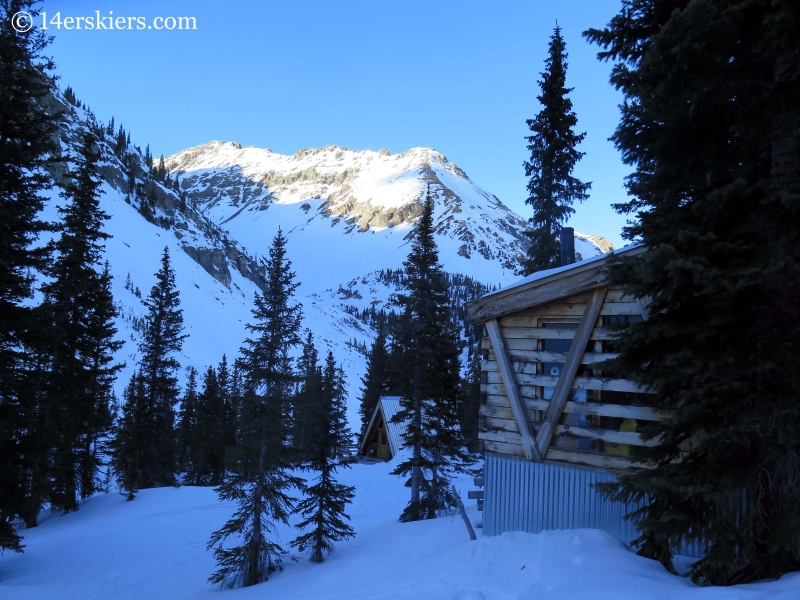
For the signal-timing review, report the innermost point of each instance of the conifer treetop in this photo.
(553, 147)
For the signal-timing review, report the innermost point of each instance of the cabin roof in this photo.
(389, 406)
(545, 286)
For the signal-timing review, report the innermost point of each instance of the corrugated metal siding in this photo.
(522, 495)
(390, 405)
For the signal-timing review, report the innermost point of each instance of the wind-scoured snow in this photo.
(154, 547)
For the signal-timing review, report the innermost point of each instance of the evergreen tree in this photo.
(156, 389)
(306, 401)
(710, 123)
(27, 125)
(375, 381)
(69, 96)
(209, 465)
(323, 508)
(552, 145)
(95, 436)
(468, 414)
(428, 378)
(258, 477)
(187, 428)
(131, 445)
(74, 409)
(120, 146)
(230, 387)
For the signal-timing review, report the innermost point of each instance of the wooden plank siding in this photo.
(560, 456)
(524, 381)
(535, 356)
(496, 404)
(511, 391)
(518, 318)
(606, 435)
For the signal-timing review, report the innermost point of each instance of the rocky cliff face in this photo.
(126, 173)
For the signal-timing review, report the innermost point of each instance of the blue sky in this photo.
(460, 77)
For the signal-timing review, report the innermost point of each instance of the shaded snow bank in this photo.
(154, 547)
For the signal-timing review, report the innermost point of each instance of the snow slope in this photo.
(154, 547)
(215, 313)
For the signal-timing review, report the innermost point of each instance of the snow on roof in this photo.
(548, 272)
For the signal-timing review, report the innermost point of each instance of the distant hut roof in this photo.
(388, 406)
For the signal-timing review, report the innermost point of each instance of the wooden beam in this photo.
(368, 430)
(534, 356)
(463, 512)
(535, 294)
(559, 456)
(593, 433)
(496, 404)
(520, 416)
(525, 380)
(644, 307)
(566, 309)
(603, 461)
(562, 284)
(552, 333)
(567, 376)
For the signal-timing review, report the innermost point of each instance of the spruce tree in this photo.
(710, 124)
(79, 311)
(209, 464)
(323, 508)
(258, 477)
(427, 366)
(131, 448)
(154, 444)
(375, 381)
(187, 429)
(469, 410)
(27, 126)
(230, 386)
(552, 145)
(95, 436)
(306, 401)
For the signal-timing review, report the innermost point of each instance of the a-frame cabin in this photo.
(551, 423)
(381, 439)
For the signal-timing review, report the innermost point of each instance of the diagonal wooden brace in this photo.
(512, 390)
(570, 370)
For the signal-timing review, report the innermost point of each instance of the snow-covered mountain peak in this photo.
(334, 196)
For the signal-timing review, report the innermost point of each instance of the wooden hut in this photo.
(382, 438)
(551, 424)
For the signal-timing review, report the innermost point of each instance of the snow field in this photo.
(154, 547)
